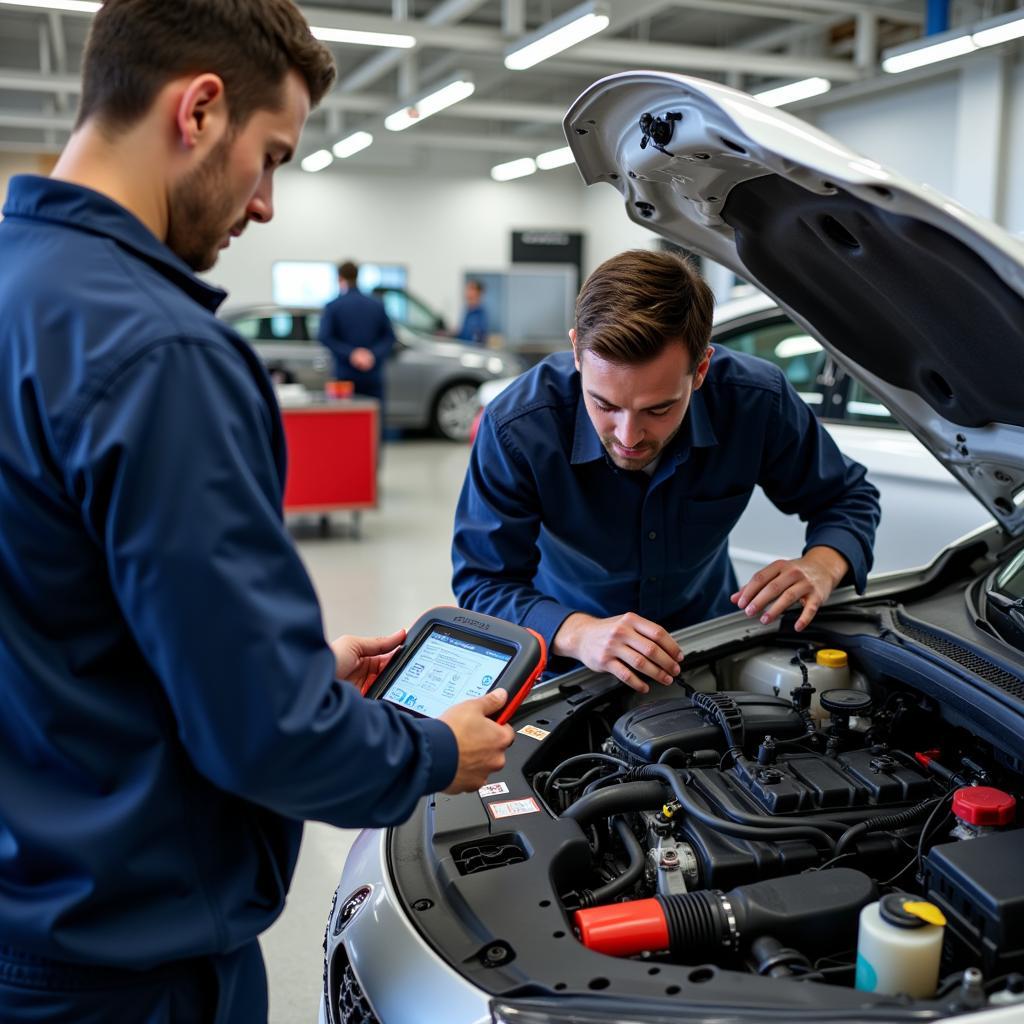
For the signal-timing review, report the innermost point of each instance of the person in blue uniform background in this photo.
(474, 322)
(359, 335)
(170, 710)
(603, 483)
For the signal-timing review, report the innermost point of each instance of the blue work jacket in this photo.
(474, 326)
(168, 707)
(547, 525)
(354, 320)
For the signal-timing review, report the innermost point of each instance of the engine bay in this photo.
(729, 833)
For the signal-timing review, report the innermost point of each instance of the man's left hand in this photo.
(809, 580)
(362, 658)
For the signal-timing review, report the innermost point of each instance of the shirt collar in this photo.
(74, 206)
(695, 432)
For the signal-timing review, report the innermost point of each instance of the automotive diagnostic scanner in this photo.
(451, 655)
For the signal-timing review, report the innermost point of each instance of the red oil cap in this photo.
(983, 805)
(624, 929)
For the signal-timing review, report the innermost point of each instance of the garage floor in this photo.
(398, 568)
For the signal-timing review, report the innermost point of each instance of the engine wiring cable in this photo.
(569, 762)
(926, 832)
(898, 819)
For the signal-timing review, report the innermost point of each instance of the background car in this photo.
(431, 380)
(907, 475)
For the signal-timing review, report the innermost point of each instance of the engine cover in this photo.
(646, 732)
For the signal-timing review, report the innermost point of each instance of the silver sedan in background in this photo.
(431, 381)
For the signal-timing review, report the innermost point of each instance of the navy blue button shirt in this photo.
(168, 707)
(354, 320)
(547, 525)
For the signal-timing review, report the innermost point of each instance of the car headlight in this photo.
(473, 360)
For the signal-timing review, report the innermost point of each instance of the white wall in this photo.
(1013, 209)
(437, 227)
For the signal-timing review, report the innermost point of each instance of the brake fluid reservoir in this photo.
(778, 673)
(899, 945)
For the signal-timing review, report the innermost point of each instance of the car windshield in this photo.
(1006, 602)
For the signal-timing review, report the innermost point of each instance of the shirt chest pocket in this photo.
(705, 526)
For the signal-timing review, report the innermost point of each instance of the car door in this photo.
(285, 341)
(913, 486)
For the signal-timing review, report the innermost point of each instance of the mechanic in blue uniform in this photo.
(474, 322)
(604, 482)
(170, 711)
(359, 334)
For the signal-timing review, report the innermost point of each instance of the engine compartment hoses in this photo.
(898, 819)
(648, 795)
(570, 762)
(633, 873)
(731, 828)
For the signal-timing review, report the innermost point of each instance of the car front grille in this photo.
(348, 1004)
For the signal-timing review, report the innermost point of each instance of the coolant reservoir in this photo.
(778, 673)
(899, 946)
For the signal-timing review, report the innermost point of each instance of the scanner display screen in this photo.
(446, 667)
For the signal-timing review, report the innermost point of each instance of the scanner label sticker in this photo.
(493, 789)
(513, 808)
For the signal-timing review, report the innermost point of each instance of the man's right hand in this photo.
(623, 645)
(482, 742)
(363, 359)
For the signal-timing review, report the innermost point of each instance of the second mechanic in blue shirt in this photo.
(603, 483)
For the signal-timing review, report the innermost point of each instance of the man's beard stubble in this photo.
(200, 213)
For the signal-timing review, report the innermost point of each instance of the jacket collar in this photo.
(81, 209)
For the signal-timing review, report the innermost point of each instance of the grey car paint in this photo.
(431, 381)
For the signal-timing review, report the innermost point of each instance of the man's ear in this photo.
(575, 351)
(702, 368)
(201, 113)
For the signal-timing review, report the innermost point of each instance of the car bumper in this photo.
(402, 979)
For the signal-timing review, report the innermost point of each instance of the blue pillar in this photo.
(937, 19)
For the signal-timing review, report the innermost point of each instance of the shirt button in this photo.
(652, 535)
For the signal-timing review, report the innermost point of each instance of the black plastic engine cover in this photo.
(646, 732)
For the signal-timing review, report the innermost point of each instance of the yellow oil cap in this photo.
(831, 658)
(925, 911)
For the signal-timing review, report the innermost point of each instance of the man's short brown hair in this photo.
(348, 272)
(136, 47)
(634, 304)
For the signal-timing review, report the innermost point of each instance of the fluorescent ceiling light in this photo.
(796, 345)
(802, 90)
(345, 35)
(1002, 32)
(317, 161)
(75, 6)
(352, 144)
(514, 169)
(433, 102)
(922, 55)
(573, 27)
(555, 158)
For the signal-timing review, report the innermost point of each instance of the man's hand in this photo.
(360, 659)
(808, 580)
(482, 742)
(363, 359)
(622, 645)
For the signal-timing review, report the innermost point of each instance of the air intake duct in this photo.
(817, 911)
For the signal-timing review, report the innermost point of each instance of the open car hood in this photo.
(915, 296)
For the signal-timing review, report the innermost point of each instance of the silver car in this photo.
(808, 827)
(431, 381)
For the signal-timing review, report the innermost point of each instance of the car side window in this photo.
(789, 347)
(863, 407)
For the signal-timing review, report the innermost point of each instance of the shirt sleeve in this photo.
(804, 472)
(174, 470)
(494, 547)
(384, 341)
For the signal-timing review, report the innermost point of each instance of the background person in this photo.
(359, 334)
(604, 482)
(169, 709)
(474, 321)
